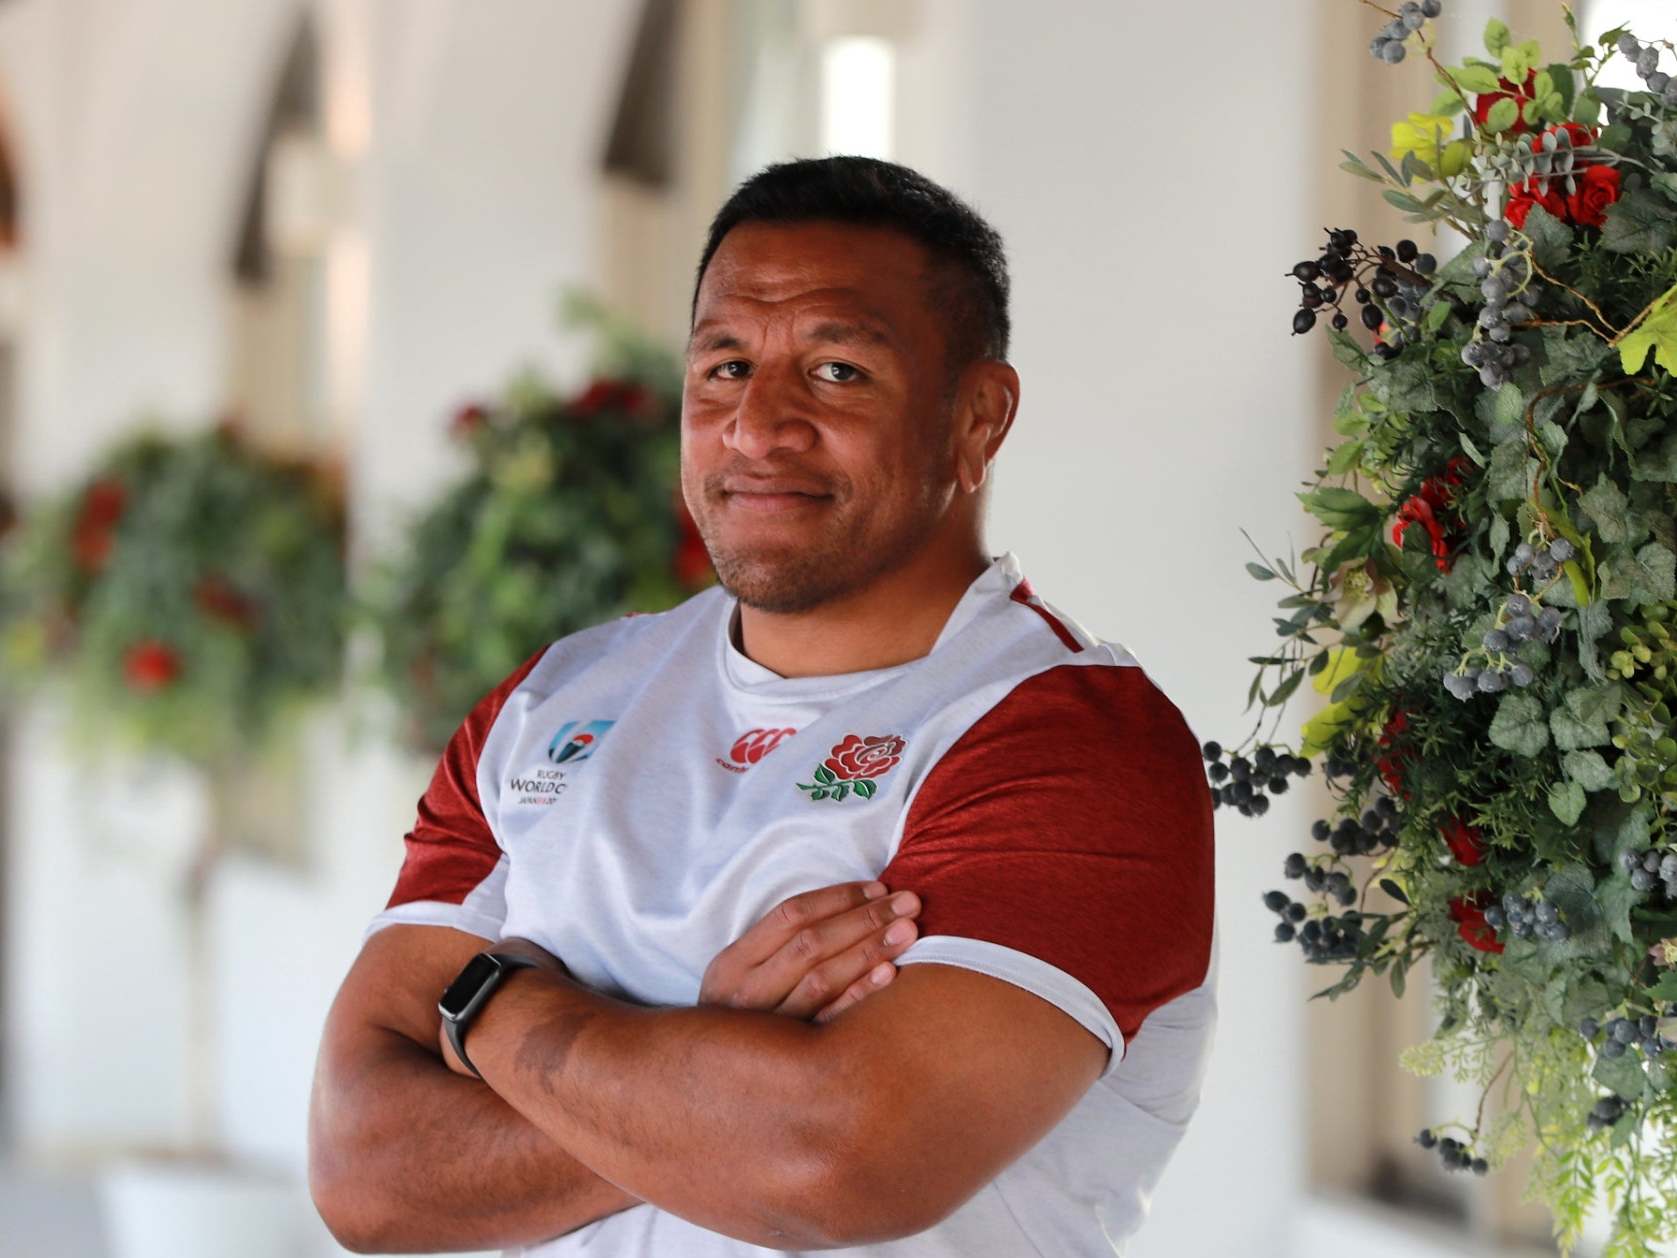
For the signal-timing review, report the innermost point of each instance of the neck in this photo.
(895, 619)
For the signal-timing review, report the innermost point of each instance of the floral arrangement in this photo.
(191, 590)
(1490, 613)
(570, 514)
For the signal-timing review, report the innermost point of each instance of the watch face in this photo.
(462, 991)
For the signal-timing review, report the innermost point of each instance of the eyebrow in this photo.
(829, 332)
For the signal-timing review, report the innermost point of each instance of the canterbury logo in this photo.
(754, 744)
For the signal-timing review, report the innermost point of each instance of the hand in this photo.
(814, 953)
(518, 947)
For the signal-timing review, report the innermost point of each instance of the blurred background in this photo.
(337, 227)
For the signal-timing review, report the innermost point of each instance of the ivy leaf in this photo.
(1606, 505)
(1616, 897)
(1660, 465)
(1588, 769)
(1623, 1074)
(1582, 719)
(1566, 801)
(1519, 727)
(1657, 331)
(1512, 467)
(1649, 575)
(1551, 239)
(1638, 222)
(1666, 988)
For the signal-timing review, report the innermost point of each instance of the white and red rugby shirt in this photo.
(636, 795)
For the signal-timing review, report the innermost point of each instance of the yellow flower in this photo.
(1421, 135)
(1362, 592)
(1665, 951)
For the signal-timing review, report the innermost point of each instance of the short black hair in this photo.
(967, 255)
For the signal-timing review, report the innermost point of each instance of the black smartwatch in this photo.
(470, 991)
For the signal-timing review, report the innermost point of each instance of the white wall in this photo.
(1163, 406)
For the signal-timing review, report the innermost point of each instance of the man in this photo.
(867, 694)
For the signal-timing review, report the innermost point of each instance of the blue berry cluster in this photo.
(1353, 836)
(1453, 1152)
(1322, 939)
(1648, 69)
(1387, 44)
(1527, 919)
(1503, 281)
(1544, 563)
(1393, 275)
(1619, 1035)
(1519, 621)
(1605, 1112)
(1650, 869)
(1241, 782)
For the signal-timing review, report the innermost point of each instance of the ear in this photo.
(984, 409)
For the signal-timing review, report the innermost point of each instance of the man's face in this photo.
(815, 436)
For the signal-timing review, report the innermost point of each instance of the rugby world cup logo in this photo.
(576, 741)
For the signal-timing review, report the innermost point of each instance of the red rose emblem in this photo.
(1598, 188)
(1463, 841)
(857, 759)
(1469, 913)
(150, 665)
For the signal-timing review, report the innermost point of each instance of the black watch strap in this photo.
(481, 975)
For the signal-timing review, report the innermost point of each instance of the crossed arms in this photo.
(781, 1132)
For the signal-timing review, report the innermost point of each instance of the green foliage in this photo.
(190, 592)
(1444, 472)
(569, 514)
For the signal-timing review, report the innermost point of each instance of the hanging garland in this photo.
(570, 514)
(190, 590)
(1491, 616)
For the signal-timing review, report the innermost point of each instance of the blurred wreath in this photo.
(569, 514)
(190, 590)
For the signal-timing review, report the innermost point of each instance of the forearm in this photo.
(715, 1114)
(407, 1157)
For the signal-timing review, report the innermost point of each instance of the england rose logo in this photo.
(853, 765)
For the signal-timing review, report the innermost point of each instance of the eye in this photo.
(855, 372)
(732, 362)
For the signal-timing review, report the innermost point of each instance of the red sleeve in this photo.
(1073, 822)
(450, 849)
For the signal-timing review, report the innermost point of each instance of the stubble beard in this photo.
(842, 561)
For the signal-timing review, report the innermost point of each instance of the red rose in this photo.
(1464, 841)
(622, 395)
(467, 420)
(1522, 196)
(1469, 913)
(1391, 766)
(220, 601)
(692, 558)
(1598, 188)
(150, 665)
(860, 758)
(102, 506)
(1519, 95)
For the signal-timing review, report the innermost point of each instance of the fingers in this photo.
(821, 962)
(781, 923)
(876, 978)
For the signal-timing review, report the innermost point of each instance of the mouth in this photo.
(772, 494)
(772, 500)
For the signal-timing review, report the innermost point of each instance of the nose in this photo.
(767, 418)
